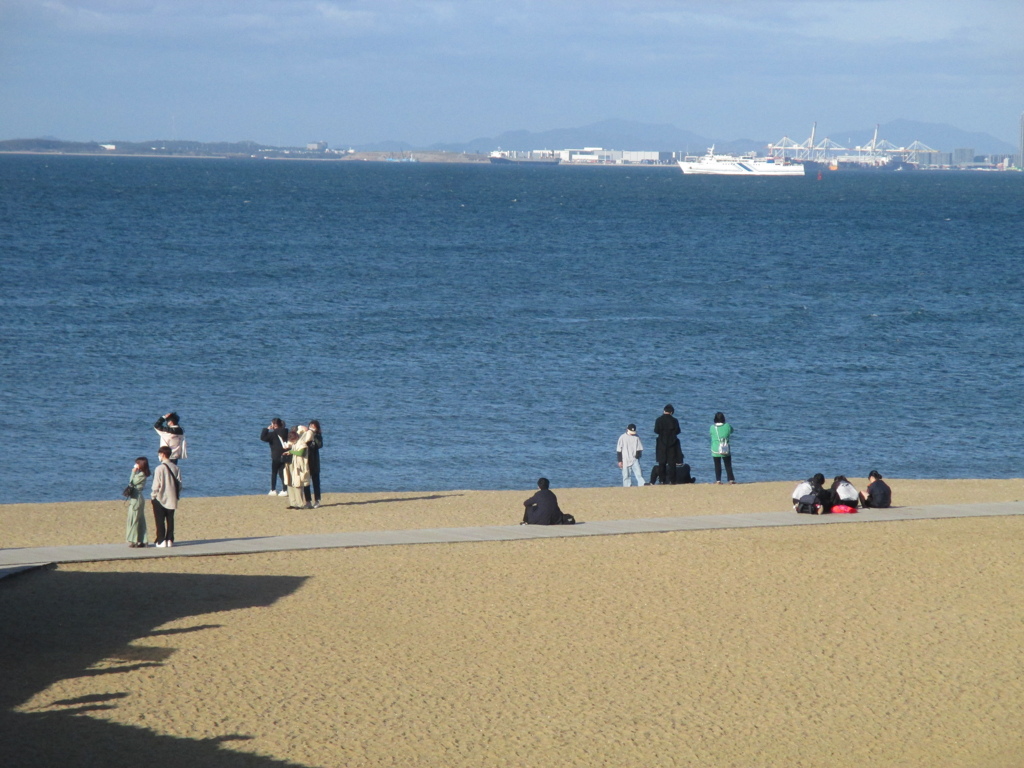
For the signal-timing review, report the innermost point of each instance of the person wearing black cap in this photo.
(877, 495)
(667, 450)
(628, 451)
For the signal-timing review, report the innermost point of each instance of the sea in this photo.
(462, 326)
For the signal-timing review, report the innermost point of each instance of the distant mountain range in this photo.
(624, 134)
(609, 134)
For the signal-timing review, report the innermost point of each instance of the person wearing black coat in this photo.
(667, 450)
(313, 457)
(542, 508)
(276, 435)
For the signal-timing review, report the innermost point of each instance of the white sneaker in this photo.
(168, 543)
(316, 505)
(160, 544)
(272, 492)
(282, 493)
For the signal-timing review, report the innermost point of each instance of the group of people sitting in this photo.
(812, 498)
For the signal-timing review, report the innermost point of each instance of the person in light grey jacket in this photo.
(164, 494)
(628, 451)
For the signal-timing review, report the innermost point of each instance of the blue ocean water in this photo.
(463, 326)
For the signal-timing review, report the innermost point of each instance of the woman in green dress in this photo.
(136, 531)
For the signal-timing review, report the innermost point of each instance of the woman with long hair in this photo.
(313, 456)
(136, 529)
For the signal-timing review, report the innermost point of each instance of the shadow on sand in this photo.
(58, 625)
(391, 501)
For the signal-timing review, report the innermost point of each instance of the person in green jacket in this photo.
(135, 531)
(720, 432)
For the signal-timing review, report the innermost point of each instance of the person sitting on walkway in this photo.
(843, 492)
(812, 494)
(878, 495)
(542, 507)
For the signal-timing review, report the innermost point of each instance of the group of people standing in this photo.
(670, 468)
(295, 459)
(165, 490)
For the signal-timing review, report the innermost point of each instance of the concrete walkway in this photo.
(17, 560)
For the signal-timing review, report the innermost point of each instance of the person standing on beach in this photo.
(628, 452)
(172, 435)
(135, 533)
(667, 450)
(296, 470)
(542, 508)
(878, 494)
(720, 432)
(164, 495)
(316, 442)
(276, 434)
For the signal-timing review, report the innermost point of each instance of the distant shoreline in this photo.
(383, 157)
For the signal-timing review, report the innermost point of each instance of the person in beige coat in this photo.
(164, 495)
(296, 472)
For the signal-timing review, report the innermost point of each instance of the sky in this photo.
(288, 72)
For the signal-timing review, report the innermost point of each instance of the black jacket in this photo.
(313, 451)
(274, 437)
(542, 509)
(667, 448)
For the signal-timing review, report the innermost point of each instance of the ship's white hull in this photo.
(724, 165)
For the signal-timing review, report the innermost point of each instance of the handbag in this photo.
(128, 492)
(723, 445)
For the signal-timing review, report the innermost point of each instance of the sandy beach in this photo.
(892, 644)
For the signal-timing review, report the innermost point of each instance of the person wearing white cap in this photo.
(629, 450)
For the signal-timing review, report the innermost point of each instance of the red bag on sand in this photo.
(842, 509)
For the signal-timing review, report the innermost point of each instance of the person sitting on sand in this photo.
(878, 495)
(542, 507)
(681, 471)
(843, 492)
(813, 486)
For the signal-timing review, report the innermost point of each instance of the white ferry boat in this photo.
(743, 165)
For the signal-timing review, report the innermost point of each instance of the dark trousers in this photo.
(164, 519)
(276, 471)
(667, 472)
(314, 476)
(728, 468)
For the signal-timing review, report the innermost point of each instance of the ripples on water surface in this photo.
(478, 326)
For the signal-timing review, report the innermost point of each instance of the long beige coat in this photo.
(296, 474)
